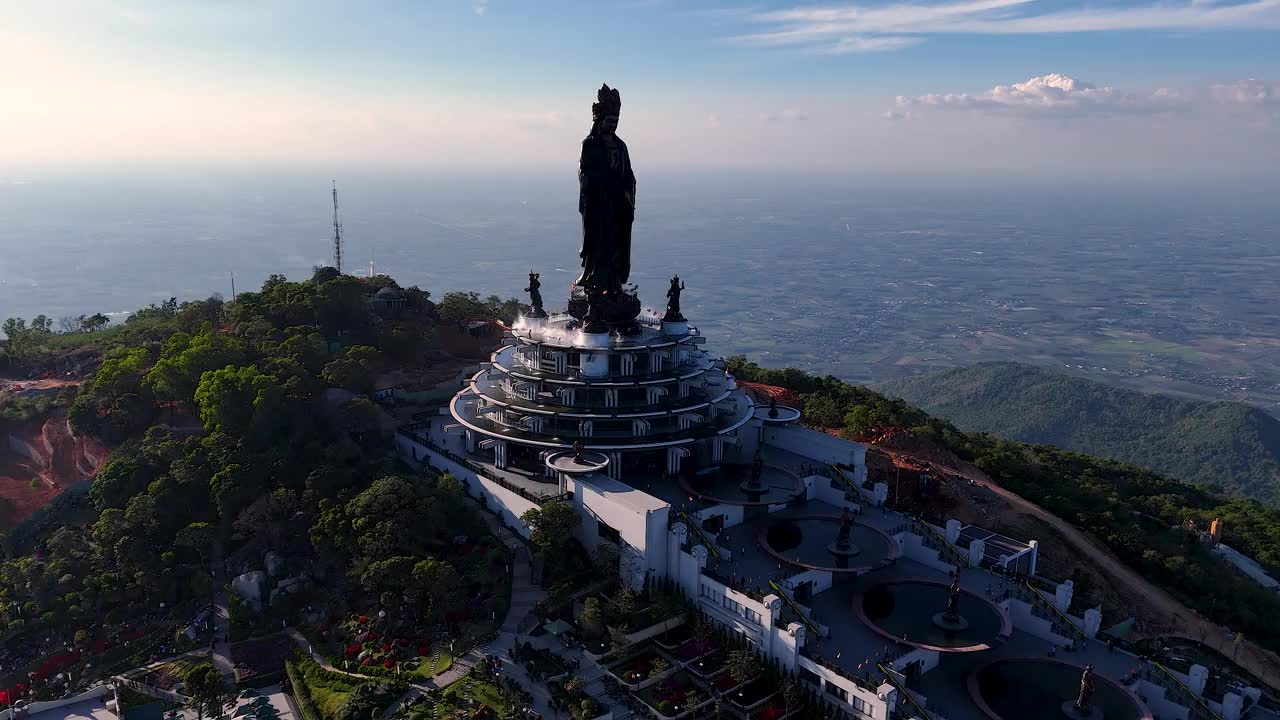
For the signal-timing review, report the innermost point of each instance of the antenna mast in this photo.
(337, 232)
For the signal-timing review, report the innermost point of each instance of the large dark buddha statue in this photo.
(606, 199)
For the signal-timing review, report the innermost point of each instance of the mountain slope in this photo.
(1231, 446)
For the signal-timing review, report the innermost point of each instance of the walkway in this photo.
(221, 616)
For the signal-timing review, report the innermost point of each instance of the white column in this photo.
(471, 442)
(1232, 706)
(953, 531)
(1035, 552)
(611, 397)
(683, 392)
(567, 395)
(1092, 622)
(560, 362)
(674, 456)
(717, 450)
(977, 549)
(500, 454)
(687, 420)
(655, 394)
(627, 363)
(1062, 598)
(639, 427)
(615, 465)
(584, 428)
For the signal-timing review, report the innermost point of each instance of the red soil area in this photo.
(761, 393)
(48, 453)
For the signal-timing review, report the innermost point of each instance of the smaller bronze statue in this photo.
(773, 407)
(535, 295)
(846, 527)
(757, 468)
(953, 597)
(577, 449)
(673, 301)
(1084, 701)
(950, 619)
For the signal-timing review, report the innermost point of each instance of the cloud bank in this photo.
(854, 28)
(1059, 95)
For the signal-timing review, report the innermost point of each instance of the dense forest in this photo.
(1137, 513)
(240, 428)
(1228, 447)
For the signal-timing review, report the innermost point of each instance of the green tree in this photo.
(551, 526)
(743, 664)
(227, 398)
(207, 690)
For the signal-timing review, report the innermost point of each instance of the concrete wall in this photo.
(1026, 621)
(1159, 705)
(913, 547)
(817, 446)
(45, 705)
(878, 709)
(507, 504)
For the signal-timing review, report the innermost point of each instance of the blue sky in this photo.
(947, 86)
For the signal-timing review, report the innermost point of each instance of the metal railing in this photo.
(411, 431)
(1158, 674)
(1042, 608)
(904, 693)
(795, 607)
(707, 543)
(937, 541)
(863, 682)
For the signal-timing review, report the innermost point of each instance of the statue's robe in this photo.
(606, 200)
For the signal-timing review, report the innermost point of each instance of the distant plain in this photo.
(1171, 289)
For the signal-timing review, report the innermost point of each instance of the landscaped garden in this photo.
(327, 695)
(675, 695)
(356, 644)
(708, 666)
(634, 670)
(569, 695)
(476, 697)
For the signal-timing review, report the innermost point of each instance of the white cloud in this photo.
(1251, 92)
(479, 6)
(835, 28)
(788, 115)
(1054, 94)
(863, 44)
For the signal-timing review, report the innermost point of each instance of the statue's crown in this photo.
(608, 101)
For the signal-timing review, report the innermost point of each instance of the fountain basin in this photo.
(1012, 688)
(904, 611)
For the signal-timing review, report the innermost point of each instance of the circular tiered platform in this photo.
(903, 611)
(645, 396)
(806, 542)
(1014, 688)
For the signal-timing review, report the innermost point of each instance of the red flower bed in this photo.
(424, 650)
(725, 683)
(363, 619)
(386, 647)
(353, 650)
(390, 663)
(774, 710)
(367, 661)
(56, 663)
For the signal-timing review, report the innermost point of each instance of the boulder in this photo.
(250, 587)
(275, 564)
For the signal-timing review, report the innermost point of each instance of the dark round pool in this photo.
(903, 610)
(1015, 688)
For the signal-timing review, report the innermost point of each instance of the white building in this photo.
(742, 508)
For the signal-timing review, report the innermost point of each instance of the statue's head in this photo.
(605, 111)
